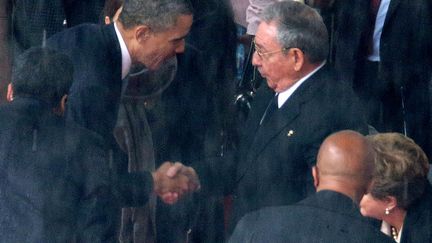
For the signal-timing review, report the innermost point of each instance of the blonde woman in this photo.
(400, 194)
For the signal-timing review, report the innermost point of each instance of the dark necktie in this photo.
(271, 108)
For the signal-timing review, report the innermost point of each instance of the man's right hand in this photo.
(173, 180)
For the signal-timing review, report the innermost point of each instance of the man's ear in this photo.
(299, 58)
(9, 95)
(63, 103)
(107, 20)
(142, 33)
(315, 176)
(60, 109)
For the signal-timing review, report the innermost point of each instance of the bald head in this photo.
(345, 164)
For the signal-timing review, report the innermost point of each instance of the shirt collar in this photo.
(284, 95)
(126, 58)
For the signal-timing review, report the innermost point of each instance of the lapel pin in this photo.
(290, 133)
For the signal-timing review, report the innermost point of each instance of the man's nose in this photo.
(256, 60)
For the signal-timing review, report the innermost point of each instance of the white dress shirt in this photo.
(379, 24)
(126, 58)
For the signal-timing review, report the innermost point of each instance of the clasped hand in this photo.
(174, 180)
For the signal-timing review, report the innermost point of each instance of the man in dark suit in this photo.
(279, 147)
(147, 33)
(384, 49)
(34, 198)
(56, 184)
(341, 177)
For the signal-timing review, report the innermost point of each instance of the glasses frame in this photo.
(266, 54)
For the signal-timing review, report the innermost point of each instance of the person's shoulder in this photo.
(8, 117)
(4, 109)
(74, 36)
(266, 219)
(331, 77)
(334, 84)
(418, 221)
(308, 223)
(273, 215)
(86, 27)
(421, 209)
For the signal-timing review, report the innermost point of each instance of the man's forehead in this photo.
(183, 24)
(266, 33)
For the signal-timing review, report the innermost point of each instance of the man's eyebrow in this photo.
(258, 44)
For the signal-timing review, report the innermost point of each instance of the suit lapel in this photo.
(112, 41)
(270, 129)
(259, 106)
(286, 115)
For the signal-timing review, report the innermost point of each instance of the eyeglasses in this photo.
(264, 54)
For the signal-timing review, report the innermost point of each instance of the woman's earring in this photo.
(387, 211)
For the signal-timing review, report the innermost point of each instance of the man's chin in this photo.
(157, 65)
(271, 84)
(153, 66)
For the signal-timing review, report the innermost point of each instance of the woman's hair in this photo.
(401, 168)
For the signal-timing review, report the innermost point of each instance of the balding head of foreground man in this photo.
(345, 164)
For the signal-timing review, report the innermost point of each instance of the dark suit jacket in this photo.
(275, 161)
(405, 52)
(327, 216)
(95, 93)
(35, 203)
(55, 180)
(418, 221)
(94, 100)
(94, 97)
(406, 44)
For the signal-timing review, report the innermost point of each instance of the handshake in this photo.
(171, 181)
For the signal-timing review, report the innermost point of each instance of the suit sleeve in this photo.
(99, 195)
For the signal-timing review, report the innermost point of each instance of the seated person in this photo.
(341, 177)
(400, 194)
(55, 184)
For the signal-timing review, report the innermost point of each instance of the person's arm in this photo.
(170, 182)
(253, 14)
(5, 50)
(98, 196)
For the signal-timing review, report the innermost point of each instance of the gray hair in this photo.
(299, 26)
(159, 15)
